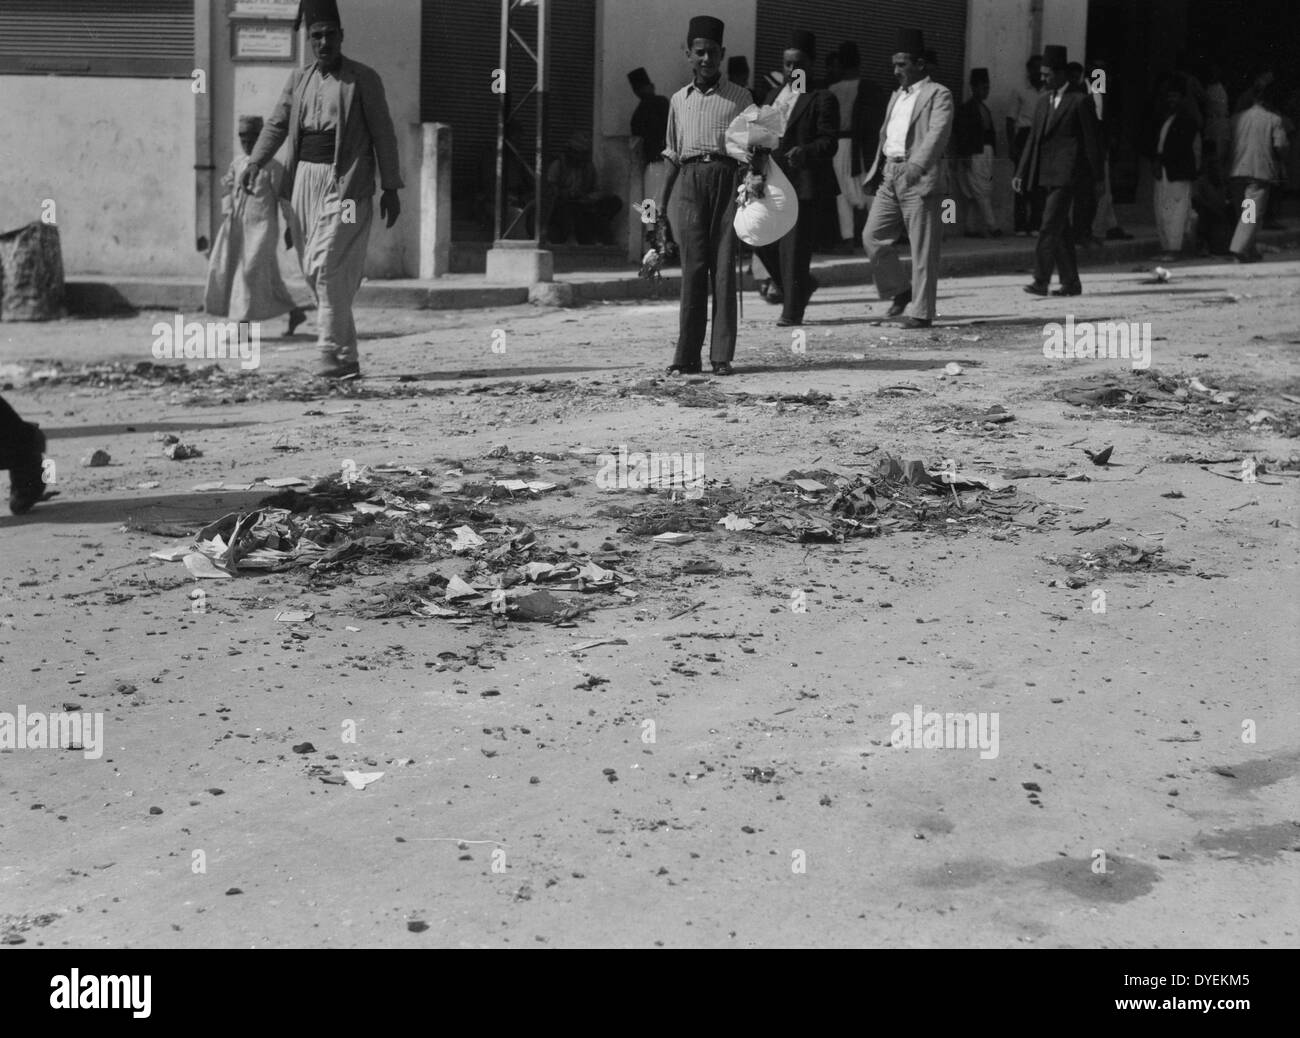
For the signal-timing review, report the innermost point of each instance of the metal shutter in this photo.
(460, 46)
(137, 38)
(871, 24)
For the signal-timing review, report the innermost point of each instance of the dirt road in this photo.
(727, 776)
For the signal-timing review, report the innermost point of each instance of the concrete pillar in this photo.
(519, 263)
(435, 202)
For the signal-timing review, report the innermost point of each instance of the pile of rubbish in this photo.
(381, 516)
(820, 506)
(1151, 394)
(1118, 557)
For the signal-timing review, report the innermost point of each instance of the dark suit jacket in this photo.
(868, 114)
(1063, 146)
(1178, 159)
(365, 134)
(814, 127)
(968, 128)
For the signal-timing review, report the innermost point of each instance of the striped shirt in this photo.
(698, 119)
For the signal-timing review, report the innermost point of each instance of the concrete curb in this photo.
(98, 296)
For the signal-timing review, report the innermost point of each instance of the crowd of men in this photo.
(879, 167)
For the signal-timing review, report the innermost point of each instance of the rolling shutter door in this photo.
(874, 26)
(460, 46)
(150, 39)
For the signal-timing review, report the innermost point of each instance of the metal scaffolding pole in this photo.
(511, 256)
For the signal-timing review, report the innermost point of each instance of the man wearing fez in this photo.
(907, 175)
(704, 202)
(806, 155)
(976, 141)
(335, 117)
(851, 199)
(1062, 153)
(650, 127)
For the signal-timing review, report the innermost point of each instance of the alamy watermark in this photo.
(59, 730)
(934, 731)
(641, 470)
(209, 340)
(1088, 340)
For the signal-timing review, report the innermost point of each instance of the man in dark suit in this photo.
(1063, 152)
(806, 155)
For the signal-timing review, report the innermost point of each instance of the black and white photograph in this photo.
(651, 474)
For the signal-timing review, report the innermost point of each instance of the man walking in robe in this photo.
(244, 282)
(908, 174)
(335, 117)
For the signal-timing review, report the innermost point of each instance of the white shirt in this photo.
(1057, 95)
(899, 120)
(784, 103)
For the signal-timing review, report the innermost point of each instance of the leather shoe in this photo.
(339, 371)
(683, 369)
(722, 368)
(1035, 289)
(1073, 290)
(915, 322)
(788, 322)
(900, 304)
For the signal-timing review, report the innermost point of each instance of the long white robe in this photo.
(244, 282)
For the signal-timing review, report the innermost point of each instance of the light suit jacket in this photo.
(927, 137)
(365, 133)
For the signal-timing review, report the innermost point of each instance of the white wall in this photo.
(117, 157)
(384, 34)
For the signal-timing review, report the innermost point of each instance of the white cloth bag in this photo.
(761, 221)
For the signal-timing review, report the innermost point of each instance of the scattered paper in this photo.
(457, 588)
(361, 779)
(466, 538)
(293, 616)
(285, 481)
(171, 554)
(674, 538)
(735, 522)
(203, 568)
(810, 486)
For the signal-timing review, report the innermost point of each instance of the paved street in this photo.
(729, 769)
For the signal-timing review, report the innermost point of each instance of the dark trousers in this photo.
(1056, 239)
(703, 208)
(13, 434)
(1028, 207)
(1085, 210)
(788, 261)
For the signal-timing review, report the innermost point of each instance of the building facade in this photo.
(124, 112)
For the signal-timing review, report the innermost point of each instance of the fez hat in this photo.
(250, 124)
(801, 39)
(910, 41)
(638, 77)
(312, 11)
(849, 56)
(1055, 57)
(979, 75)
(738, 69)
(703, 27)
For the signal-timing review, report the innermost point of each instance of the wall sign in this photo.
(260, 41)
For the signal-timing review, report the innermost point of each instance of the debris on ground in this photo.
(1199, 406)
(1101, 457)
(821, 506)
(1118, 557)
(178, 451)
(97, 460)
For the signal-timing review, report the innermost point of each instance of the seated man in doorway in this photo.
(577, 206)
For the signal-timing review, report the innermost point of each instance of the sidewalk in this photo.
(93, 296)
